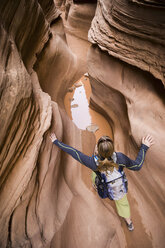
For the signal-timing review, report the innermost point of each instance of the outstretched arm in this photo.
(76, 154)
(136, 164)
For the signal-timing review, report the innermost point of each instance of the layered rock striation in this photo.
(43, 196)
(73, 203)
(126, 70)
(132, 31)
(79, 19)
(45, 201)
(26, 114)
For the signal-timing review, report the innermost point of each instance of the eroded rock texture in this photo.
(26, 113)
(78, 213)
(133, 100)
(44, 201)
(79, 19)
(132, 31)
(25, 116)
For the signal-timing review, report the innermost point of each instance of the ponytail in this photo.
(105, 165)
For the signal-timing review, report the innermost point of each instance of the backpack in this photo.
(103, 187)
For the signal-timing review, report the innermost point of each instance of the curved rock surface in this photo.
(78, 206)
(133, 101)
(79, 19)
(43, 197)
(25, 116)
(132, 31)
(26, 113)
(134, 105)
(46, 200)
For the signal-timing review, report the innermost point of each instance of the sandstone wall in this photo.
(44, 201)
(26, 113)
(126, 71)
(132, 31)
(76, 213)
(43, 198)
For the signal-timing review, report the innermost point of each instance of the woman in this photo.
(110, 164)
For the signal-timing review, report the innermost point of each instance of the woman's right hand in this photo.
(148, 140)
(53, 137)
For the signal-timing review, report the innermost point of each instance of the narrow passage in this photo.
(77, 107)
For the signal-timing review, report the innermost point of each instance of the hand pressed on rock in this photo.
(148, 140)
(53, 137)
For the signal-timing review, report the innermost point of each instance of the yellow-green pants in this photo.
(122, 205)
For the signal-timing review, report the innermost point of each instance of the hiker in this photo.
(110, 164)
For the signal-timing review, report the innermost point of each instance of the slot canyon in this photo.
(46, 46)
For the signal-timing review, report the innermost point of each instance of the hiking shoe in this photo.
(130, 226)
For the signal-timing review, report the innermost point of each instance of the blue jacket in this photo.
(122, 160)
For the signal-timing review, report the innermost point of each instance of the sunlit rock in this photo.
(126, 71)
(79, 19)
(92, 128)
(132, 31)
(78, 84)
(74, 105)
(46, 197)
(25, 116)
(86, 74)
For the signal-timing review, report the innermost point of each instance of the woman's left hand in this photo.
(148, 140)
(53, 137)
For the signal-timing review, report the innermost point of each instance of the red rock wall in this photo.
(26, 113)
(78, 214)
(25, 116)
(132, 31)
(44, 201)
(133, 101)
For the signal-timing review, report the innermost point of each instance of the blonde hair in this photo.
(105, 150)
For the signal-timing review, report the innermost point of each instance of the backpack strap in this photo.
(98, 173)
(101, 185)
(114, 179)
